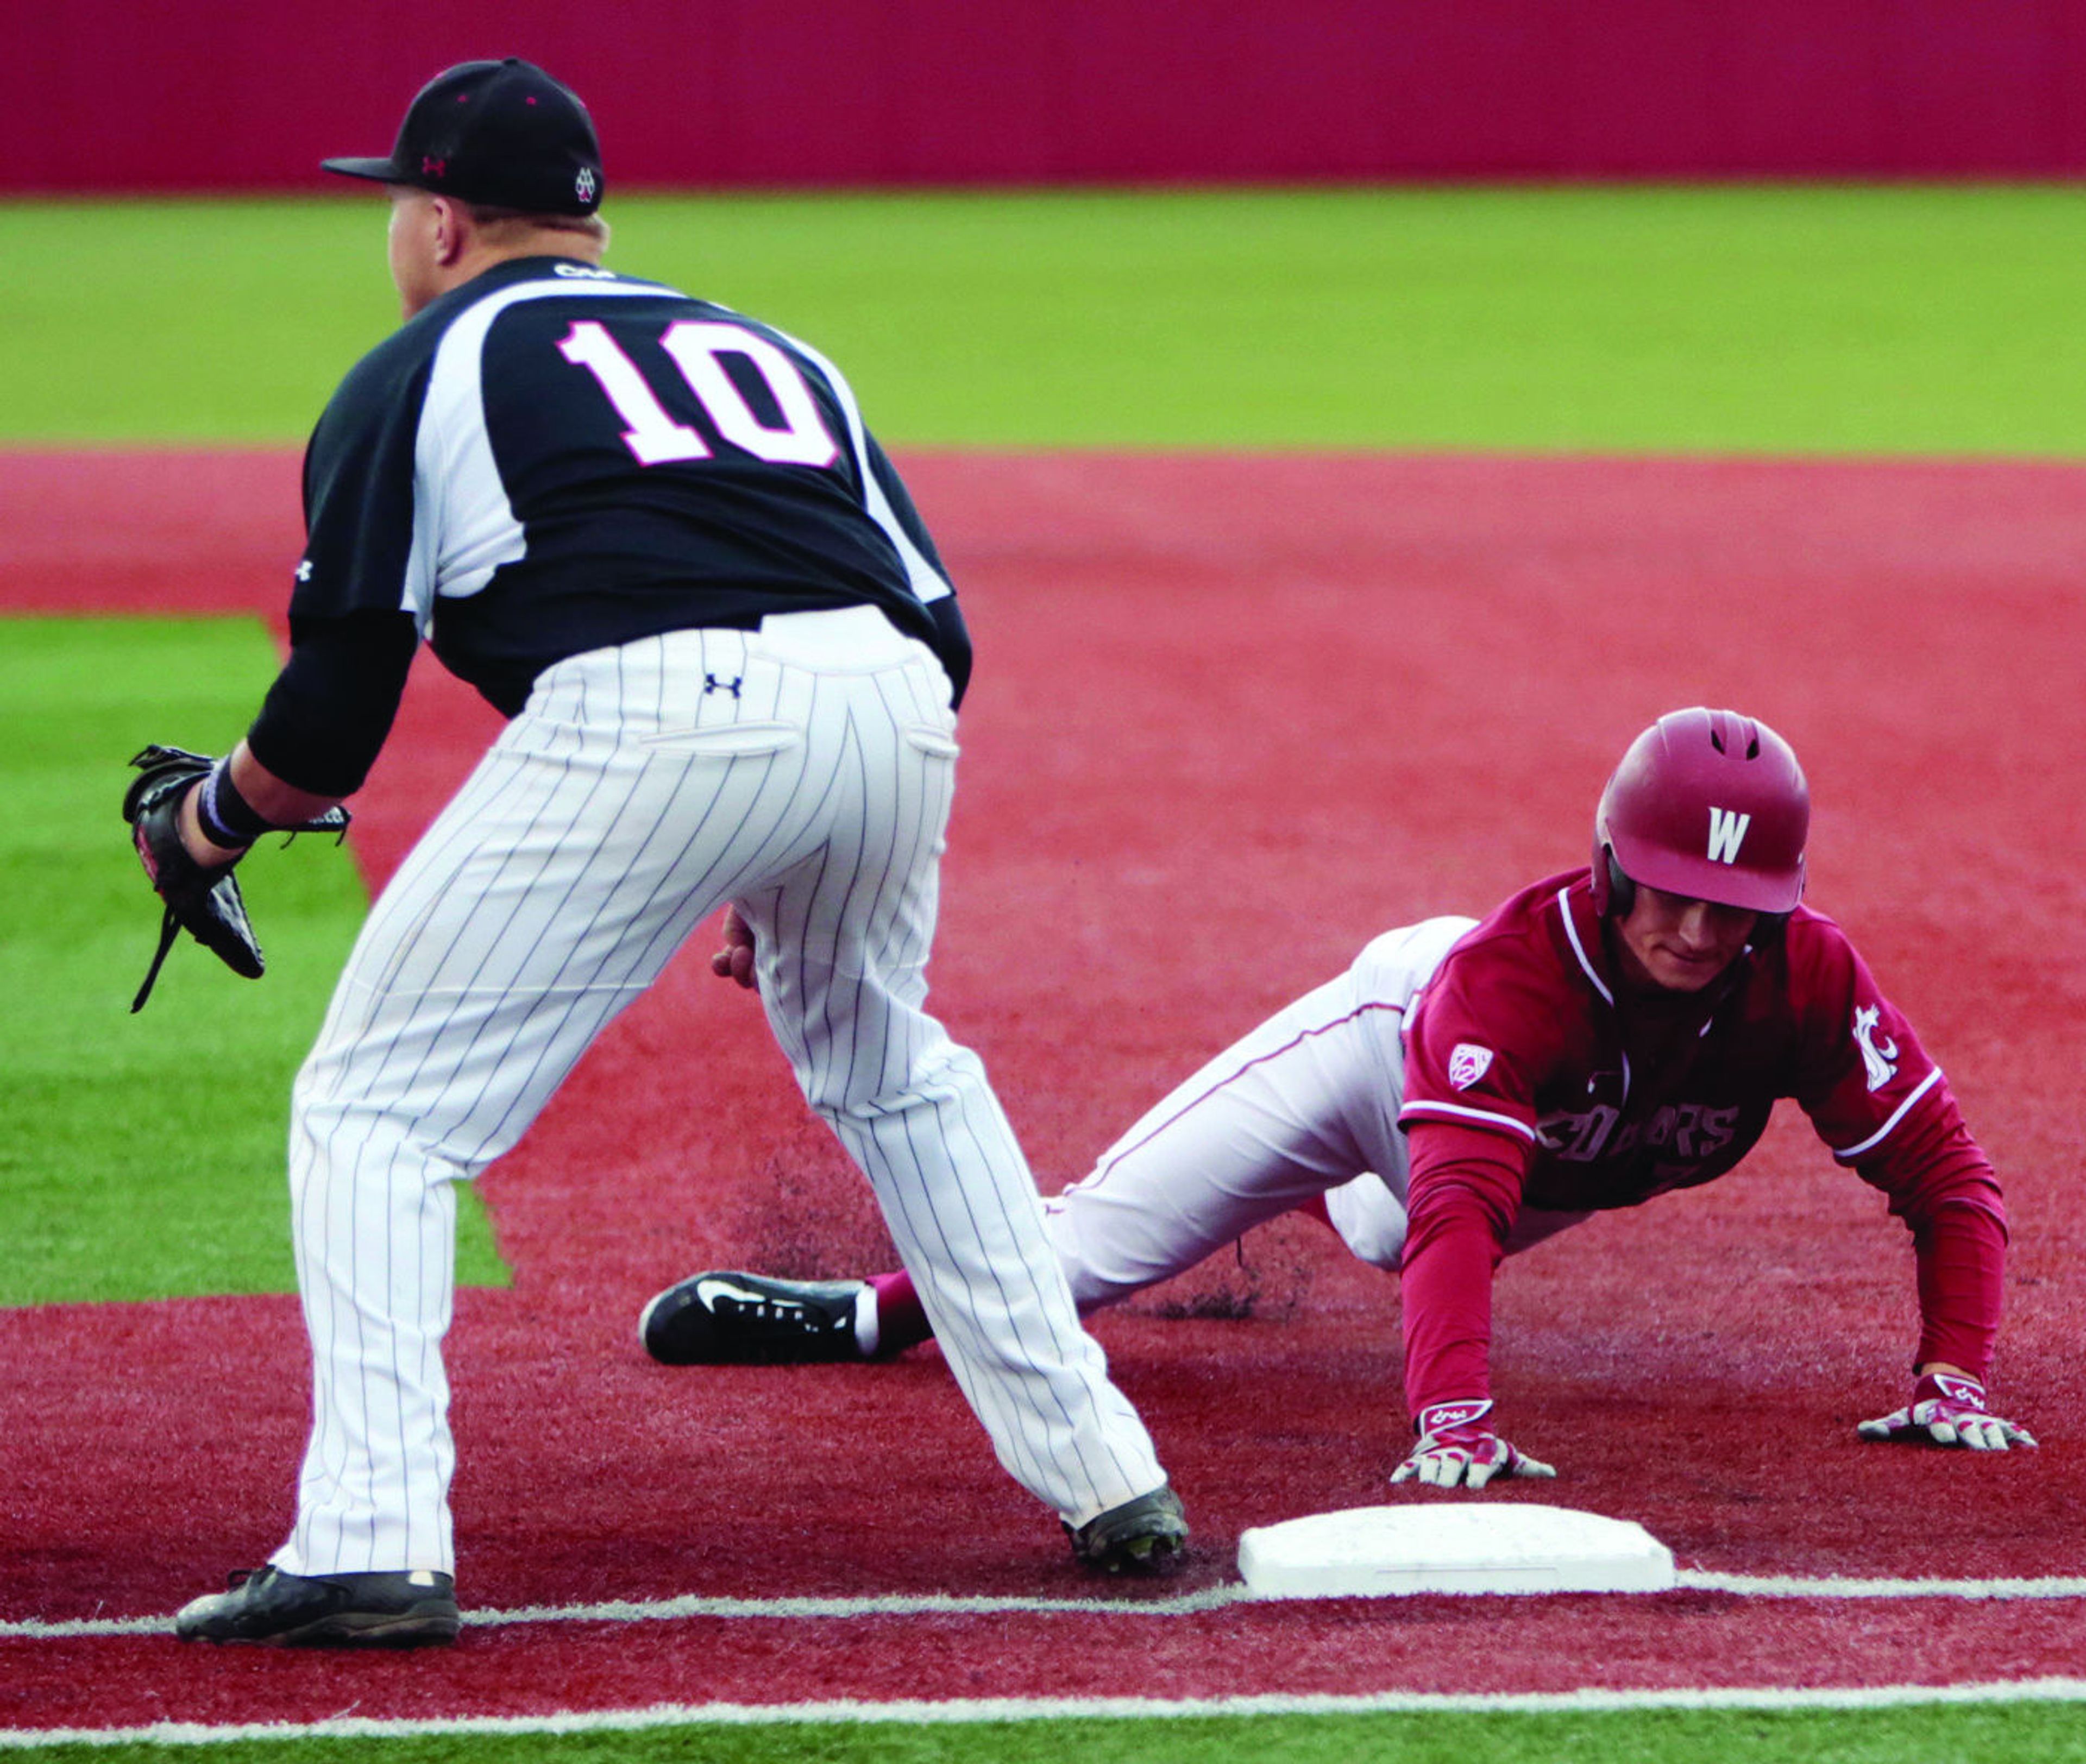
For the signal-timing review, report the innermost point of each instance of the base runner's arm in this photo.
(1464, 1195)
(1941, 1185)
(1940, 1182)
(1882, 1104)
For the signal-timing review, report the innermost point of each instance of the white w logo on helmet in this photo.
(1727, 830)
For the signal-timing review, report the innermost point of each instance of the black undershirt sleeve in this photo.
(326, 717)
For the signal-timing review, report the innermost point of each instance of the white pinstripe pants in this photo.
(803, 771)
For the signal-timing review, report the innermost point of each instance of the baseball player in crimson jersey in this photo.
(656, 534)
(1467, 1089)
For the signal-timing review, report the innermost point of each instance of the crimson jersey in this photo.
(1534, 1077)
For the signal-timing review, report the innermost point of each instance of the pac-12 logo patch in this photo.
(1467, 1063)
(1879, 1052)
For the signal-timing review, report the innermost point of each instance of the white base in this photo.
(1452, 1546)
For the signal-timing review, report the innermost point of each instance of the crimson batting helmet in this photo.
(1707, 803)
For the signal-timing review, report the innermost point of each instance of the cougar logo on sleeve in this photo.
(1467, 1063)
(1881, 1060)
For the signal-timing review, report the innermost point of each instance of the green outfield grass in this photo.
(1934, 1734)
(1870, 319)
(144, 1154)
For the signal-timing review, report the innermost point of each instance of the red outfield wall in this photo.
(243, 95)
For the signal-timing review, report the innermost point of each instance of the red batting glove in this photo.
(1457, 1449)
(1949, 1409)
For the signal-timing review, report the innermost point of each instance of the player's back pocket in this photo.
(726, 741)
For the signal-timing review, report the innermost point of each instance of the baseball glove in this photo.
(202, 898)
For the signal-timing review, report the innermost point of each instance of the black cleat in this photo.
(399, 1609)
(727, 1319)
(1141, 1537)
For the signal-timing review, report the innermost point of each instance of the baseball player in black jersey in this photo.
(655, 533)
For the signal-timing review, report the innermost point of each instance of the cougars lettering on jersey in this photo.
(1534, 1077)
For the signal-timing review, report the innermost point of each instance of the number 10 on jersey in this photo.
(697, 347)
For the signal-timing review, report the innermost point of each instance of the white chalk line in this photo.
(1187, 1605)
(2027, 1690)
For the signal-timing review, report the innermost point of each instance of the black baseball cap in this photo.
(504, 133)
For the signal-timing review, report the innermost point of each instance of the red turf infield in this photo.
(1234, 717)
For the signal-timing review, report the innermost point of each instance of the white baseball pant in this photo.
(1304, 1106)
(803, 771)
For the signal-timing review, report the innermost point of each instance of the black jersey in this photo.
(555, 458)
